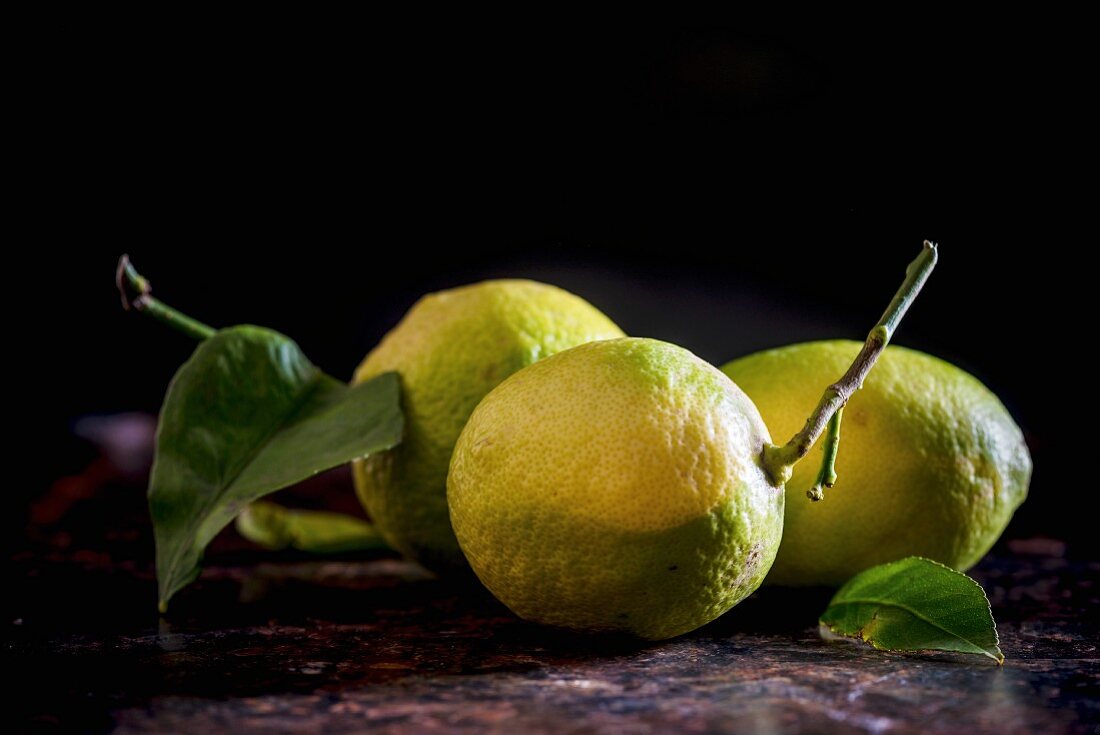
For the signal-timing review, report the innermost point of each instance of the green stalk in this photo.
(136, 292)
(779, 461)
(826, 476)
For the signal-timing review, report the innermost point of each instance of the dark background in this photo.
(727, 189)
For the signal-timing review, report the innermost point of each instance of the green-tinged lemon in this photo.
(616, 486)
(450, 349)
(930, 463)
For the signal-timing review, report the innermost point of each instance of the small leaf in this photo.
(912, 605)
(319, 532)
(246, 415)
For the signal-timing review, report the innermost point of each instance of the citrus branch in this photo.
(826, 476)
(137, 294)
(779, 461)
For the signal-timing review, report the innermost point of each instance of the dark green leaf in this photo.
(275, 527)
(246, 415)
(912, 605)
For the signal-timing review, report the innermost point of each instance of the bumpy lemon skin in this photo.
(616, 487)
(450, 349)
(930, 461)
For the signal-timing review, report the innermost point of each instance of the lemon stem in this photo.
(779, 461)
(826, 476)
(136, 292)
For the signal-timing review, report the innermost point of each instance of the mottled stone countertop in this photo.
(287, 645)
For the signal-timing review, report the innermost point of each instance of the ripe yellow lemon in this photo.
(616, 486)
(930, 462)
(450, 349)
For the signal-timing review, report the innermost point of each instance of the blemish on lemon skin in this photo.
(752, 561)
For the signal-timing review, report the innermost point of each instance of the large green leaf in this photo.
(246, 415)
(915, 604)
(317, 531)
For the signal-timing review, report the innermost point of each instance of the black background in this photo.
(728, 189)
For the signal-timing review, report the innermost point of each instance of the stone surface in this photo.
(279, 644)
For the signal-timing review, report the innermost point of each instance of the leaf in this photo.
(915, 604)
(246, 415)
(274, 527)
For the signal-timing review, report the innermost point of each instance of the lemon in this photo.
(450, 349)
(930, 463)
(616, 486)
